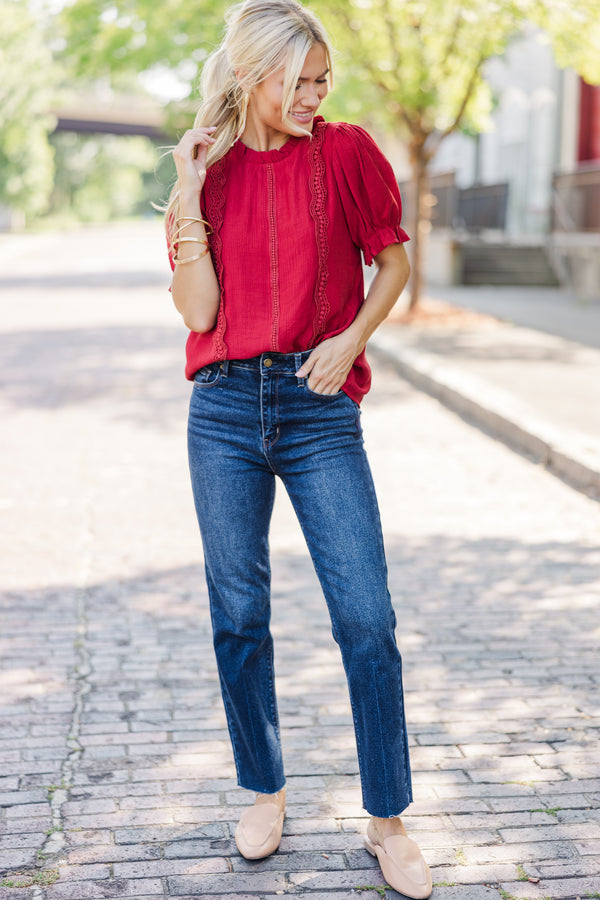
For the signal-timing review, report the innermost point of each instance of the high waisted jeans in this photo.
(251, 420)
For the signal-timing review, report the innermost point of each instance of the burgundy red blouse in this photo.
(289, 226)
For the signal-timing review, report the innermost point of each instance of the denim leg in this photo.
(233, 493)
(331, 488)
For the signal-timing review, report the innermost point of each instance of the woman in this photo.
(266, 224)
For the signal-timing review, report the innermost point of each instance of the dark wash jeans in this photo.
(249, 421)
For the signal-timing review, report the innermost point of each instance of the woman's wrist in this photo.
(189, 202)
(358, 335)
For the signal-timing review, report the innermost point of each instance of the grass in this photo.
(52, 788)
(521, 873)
(373, 887)
(552, 810)
(30, 877)
(461, 859)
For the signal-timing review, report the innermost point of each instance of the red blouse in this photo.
(289, 226)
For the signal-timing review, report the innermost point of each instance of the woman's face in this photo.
(311, 90)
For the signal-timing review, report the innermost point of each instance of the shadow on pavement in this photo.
(445, 592)
(137, 369)
(451, 343)
(153, 730)
(136, 372)
(87, 280)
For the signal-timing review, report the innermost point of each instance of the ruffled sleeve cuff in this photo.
(368, 189)
(381, 239)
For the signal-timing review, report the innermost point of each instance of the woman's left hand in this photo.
(328, 365)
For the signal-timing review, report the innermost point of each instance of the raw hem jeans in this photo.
(249, 421)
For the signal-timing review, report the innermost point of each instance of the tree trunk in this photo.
(420, 220)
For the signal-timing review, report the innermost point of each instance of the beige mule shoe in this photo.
(401, 863)
(258, 833)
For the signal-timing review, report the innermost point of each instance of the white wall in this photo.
(524, 146)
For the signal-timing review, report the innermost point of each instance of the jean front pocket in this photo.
(208, 376)
(326, 397)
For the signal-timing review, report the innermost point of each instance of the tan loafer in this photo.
(401, 863)
(258, 833)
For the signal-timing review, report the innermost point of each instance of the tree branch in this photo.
(449, 51)
(369, 66)
(391, 29)
(467, 96)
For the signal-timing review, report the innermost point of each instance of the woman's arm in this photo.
(329, 363)
(195, 288)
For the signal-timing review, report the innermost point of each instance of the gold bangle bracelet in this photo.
(176, 236)
(191, 240)
(189, 259)
(190, 220)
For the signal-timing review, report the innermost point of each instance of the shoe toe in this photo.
(258, 833)
(403, 866)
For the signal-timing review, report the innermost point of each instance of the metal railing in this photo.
(469, 209)
(482, 206)
(576, 199)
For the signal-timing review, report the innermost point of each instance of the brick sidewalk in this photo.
(115, 769)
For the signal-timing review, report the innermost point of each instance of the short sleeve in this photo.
(368, 190)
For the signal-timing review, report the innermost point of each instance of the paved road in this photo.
(115, 770)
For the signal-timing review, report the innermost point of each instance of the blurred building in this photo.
(521, 203)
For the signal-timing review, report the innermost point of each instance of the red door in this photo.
(589, 122)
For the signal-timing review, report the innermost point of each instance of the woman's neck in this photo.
(259, 136)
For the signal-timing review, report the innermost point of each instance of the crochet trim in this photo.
(318, 194)
(215, 202)
(273, 257)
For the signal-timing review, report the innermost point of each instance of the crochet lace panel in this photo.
(214, 199)
(273, 258)
(318, 194)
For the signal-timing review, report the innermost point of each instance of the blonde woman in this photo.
(267, 222)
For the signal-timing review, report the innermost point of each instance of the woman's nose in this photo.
(310, 96)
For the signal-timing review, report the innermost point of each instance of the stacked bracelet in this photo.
(189, 220)
(177, 239)
(189, 259)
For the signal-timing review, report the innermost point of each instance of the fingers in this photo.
(307, 366)
(190, 154)
(323, 374)
(191, 142)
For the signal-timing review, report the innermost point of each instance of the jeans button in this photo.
(268, 362)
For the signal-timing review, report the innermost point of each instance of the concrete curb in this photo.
(497, 412)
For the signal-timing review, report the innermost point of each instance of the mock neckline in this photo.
(261, 157)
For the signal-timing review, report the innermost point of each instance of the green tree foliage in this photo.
(416, 67)
(26, 77)
(106, 37)
(106, 176)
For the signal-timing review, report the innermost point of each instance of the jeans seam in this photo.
(380, 738)
(226, 702)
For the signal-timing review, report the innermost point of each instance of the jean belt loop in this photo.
(224, 366)
(297, 364)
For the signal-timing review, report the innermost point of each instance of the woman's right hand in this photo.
(190, 158)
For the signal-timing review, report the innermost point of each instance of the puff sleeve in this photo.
(368, 190)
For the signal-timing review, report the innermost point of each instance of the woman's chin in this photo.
(301, 126)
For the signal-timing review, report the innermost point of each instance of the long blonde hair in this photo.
(260, 37)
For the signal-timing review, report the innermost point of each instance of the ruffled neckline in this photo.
(262, 157)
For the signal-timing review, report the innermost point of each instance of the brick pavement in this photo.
(115, 769)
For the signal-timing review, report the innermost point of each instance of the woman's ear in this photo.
(242, 76)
